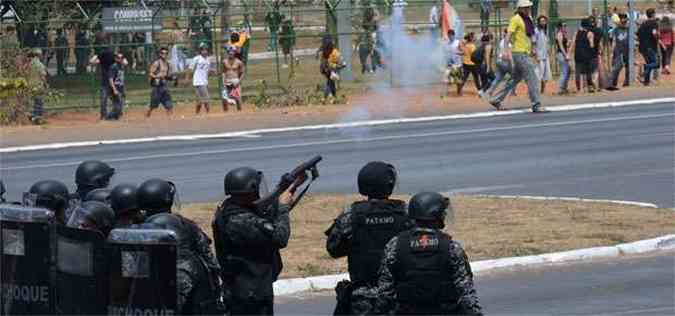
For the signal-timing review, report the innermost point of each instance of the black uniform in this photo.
(425, 272)
(361, 233)
(247, 247)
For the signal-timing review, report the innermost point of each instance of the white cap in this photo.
(524, 3)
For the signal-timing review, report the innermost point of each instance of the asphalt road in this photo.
(616, 153)
(625, 286)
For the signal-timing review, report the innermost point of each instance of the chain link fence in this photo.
(279, 40)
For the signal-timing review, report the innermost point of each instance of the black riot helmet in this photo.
(377, 180)
(428, 207)
(93, 174)
(93, 215)
(123, 198)
(50, 194)
(156, 196)
(99, 195)
(243, 181)
(175, 224)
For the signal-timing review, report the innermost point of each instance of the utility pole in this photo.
(631, 41)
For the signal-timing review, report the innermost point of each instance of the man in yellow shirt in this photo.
(520, 32)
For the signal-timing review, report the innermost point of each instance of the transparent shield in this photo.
(135, 264)
(13, 242)
(75, 257)
(18, 213)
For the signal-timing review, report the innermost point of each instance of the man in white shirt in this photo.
(201, 68)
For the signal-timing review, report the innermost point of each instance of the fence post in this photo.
(344, 30)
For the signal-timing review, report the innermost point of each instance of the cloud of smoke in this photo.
(411, 60)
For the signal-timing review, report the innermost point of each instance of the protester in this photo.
(160, 74)
(648, 37)
(365, 48)
(38, 76)
(116, 83)
(583, 55)
(139, 52)
(453, 74)
(620, 52)
(563, 56)
(104, 59)
(596, 62)
(434, 20)
(201, 68)
(331, 64)
(273, 20)
(61, 52)
(82, 50)
(541, 42)
(287, 41)
(233, 72)
(667, 41)
(520, 33)
(468, 65)
(503, 66)
(483, 58)
(485, 8)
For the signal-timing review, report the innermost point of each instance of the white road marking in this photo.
(332, 126)
(345, 141)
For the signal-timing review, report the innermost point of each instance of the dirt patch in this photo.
(488, 228)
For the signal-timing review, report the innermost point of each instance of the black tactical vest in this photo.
(248, 271)
(422, 272)
(374, 223)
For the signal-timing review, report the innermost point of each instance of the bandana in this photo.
(529, 25)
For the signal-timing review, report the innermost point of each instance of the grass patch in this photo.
(488, 228)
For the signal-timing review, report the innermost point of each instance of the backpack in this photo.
(478, 55)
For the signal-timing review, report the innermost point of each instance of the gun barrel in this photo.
(306, 166)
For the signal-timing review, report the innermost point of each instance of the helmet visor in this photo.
(263, 186)
(177, 205)
(449, 219)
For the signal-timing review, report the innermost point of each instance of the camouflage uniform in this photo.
(247, 247)
(456, 279)
(199, 286)
(362, 243)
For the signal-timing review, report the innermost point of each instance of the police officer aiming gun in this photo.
(424, 271)
(361, 232)
(249, 234)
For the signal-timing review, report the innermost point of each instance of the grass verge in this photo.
(489, 228)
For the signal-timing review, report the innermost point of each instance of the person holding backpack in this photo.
(469, 66)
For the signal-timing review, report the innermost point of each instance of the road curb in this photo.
(561, 108)
(567, 199)
(667, 242)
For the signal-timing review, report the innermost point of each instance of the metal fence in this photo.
(70, 32)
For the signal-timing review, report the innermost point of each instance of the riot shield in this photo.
(142, 272)
(81, 272)
(26, 260)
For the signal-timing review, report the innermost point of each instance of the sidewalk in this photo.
(393, 103)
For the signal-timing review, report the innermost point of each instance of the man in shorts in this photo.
(159, 77)
(233, 72)
(201, 68)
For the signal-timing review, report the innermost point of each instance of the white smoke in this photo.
(411, 60)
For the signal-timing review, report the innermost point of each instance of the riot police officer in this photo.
(362, 231)
(93, 215)
(199, 293)
(52, 195)
(98, 195)
(424, 271)
(157, 196)
(248, 241)
(91, 175)
(124, 201)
